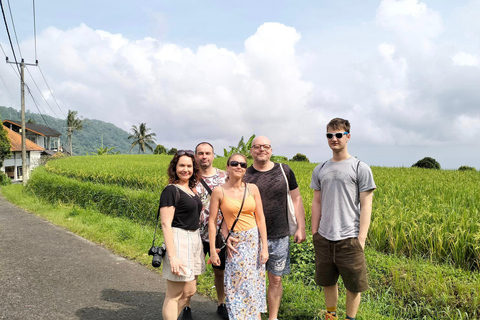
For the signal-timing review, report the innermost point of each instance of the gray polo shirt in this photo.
(340, 184)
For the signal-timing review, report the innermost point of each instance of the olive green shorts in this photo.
(344, 257)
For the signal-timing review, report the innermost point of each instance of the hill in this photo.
(87, 140)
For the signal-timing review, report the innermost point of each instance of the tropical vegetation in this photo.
(73, 124)
(423, 254)
(142, 138)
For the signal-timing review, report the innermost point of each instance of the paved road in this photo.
(49, 273)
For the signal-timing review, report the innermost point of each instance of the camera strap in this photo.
(177, 197)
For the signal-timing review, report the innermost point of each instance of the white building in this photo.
(13, 166)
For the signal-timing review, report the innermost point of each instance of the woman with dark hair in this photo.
(245, 266)
(180, 211)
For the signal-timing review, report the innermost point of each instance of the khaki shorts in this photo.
(345, 257)
(190, 250)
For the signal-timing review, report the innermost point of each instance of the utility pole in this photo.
(25, 166)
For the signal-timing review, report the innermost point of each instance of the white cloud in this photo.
(208, 93)
(412, 21)
(465, 59)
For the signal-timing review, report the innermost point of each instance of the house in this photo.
(13, 166)
(45, 137)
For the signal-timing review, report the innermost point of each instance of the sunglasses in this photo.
(236, 163)
(185, 152)
(337, 135)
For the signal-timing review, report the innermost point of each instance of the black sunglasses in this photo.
(185, 152)
(337, 135)
(236, 163)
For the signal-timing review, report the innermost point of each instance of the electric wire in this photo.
(14, 29)
(11, 64)
(9, 37)
(54, 99)
(28, 70)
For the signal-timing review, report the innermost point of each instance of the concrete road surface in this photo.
(49, 273)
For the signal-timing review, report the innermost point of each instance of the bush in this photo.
(279, 158)
(427, 163)
(300, 158)
(4, 179)
(466, 168)
(172, 151)
(159, 149)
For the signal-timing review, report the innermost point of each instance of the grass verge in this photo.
(400, 288)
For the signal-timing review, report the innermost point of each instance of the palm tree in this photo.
(73, 123)
(142, 137)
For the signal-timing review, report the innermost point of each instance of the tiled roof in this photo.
(16, 142)
(36, 128)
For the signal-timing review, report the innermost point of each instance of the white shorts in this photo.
(189, 249)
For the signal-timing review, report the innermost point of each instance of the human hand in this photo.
(362, 242)
(177, 266)
(264, 255)
(300, 235)
(214, 258)
(231, 244)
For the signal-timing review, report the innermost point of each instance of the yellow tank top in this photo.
(230, 207)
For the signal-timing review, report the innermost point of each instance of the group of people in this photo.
(249, 205)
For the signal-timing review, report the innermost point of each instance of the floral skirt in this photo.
(245, 278)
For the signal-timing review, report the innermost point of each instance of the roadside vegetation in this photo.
(423, 251)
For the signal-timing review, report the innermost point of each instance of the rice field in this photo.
(432, 214)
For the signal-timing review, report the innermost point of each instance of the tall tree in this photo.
(73, 123)
(141, 137)
(4, 143)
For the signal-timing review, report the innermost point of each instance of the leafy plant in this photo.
(4, 179)
(73, 124)
(159, 149)
(428, 163)
(242, 148)
(466, 168)
(300, 158)
(142, 138)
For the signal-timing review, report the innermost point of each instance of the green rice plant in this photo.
(137, 205)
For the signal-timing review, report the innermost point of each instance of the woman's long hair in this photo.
(172, 171)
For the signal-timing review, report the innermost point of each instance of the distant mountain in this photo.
(89, 139)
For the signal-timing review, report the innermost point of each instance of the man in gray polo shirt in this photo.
(341, 210)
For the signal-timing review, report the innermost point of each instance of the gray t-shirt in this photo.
(340, 184)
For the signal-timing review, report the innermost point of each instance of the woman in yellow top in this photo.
(244, 267)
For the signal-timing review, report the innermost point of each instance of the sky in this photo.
(406, 73)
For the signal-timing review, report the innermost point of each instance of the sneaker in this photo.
(187, 313)
(330, 316)
(222, 311)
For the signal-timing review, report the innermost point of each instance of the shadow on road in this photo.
(128, 305)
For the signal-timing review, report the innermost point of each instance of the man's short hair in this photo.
(204, 142)
(339, 124)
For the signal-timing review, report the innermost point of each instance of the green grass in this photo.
(423, 246)
(119, 234)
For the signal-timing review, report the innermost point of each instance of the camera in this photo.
(157, 253)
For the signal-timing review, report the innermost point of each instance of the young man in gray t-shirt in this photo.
(341, 210)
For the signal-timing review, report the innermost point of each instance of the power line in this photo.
(51, 91)
(9, 37)
(15, 71)
(14, 30)
(40, 92)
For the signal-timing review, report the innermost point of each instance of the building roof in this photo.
(16, 142)
(35, 128)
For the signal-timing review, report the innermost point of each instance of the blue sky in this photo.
(405, 73)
